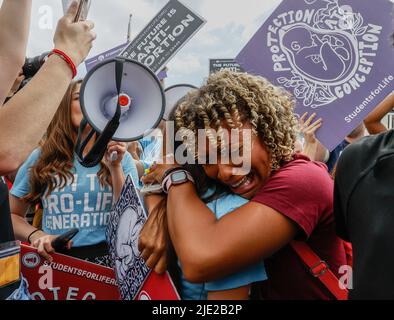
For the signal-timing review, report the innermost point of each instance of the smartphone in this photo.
(83, 10)
(60, 243)
(152, 189)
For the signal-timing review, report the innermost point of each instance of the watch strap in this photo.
(167, 182)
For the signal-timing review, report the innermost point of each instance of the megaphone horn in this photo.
(124, 110)
(173, 94)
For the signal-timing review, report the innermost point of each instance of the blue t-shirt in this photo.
(255, 273)
(152, 149)
(83, 204)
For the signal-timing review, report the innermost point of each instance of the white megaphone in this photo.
(173, 94)
(121, 100)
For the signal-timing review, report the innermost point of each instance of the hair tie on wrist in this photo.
(28, 238)
(67, 59)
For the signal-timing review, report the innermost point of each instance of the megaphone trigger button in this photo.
(124, 100)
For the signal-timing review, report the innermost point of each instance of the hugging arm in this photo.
(208, 248)
(153, 241)
(373, 122)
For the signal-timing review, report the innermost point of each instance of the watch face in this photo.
(178, 177)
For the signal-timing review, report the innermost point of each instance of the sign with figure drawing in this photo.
(123, 231)
(334, 56)
(135, 280)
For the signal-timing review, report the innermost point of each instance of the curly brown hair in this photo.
(233, 99)
(57, 154)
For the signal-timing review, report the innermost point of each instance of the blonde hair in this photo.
(233, 99)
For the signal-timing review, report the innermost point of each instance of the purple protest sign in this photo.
(334, 56)
(109, 54)
(162, 74)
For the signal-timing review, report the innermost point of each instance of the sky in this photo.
(230, 25)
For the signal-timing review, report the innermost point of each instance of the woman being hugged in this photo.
(291, 197)
(71, 195)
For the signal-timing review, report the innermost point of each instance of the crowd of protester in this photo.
(221, 235)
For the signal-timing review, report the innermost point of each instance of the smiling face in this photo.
(76, 112)
(250, 107)
(252, 152)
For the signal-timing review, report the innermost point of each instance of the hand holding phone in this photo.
(60, 243)
(151, 189)
(75, 39)
(83, 9)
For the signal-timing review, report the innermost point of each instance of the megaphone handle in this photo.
(114, 156)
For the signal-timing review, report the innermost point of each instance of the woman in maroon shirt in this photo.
(291, 196)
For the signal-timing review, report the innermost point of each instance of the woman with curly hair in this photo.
(291, 197)
(71, 196)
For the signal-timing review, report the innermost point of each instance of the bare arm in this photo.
(118, 180)
(140, 168)
(243, 237)
(24, 119)
(241, 293)
(373, 122)
(322, 153)
(316, 151)
(153, 241)
(14, 31)
(115, 167)
(313, 147)
(22, 228)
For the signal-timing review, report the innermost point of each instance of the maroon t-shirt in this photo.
(302, 190)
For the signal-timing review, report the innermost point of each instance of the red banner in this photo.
(67, 278)
(158, 287)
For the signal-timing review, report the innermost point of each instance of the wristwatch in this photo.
(177, 177)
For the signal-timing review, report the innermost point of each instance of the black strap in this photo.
(99, 148)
